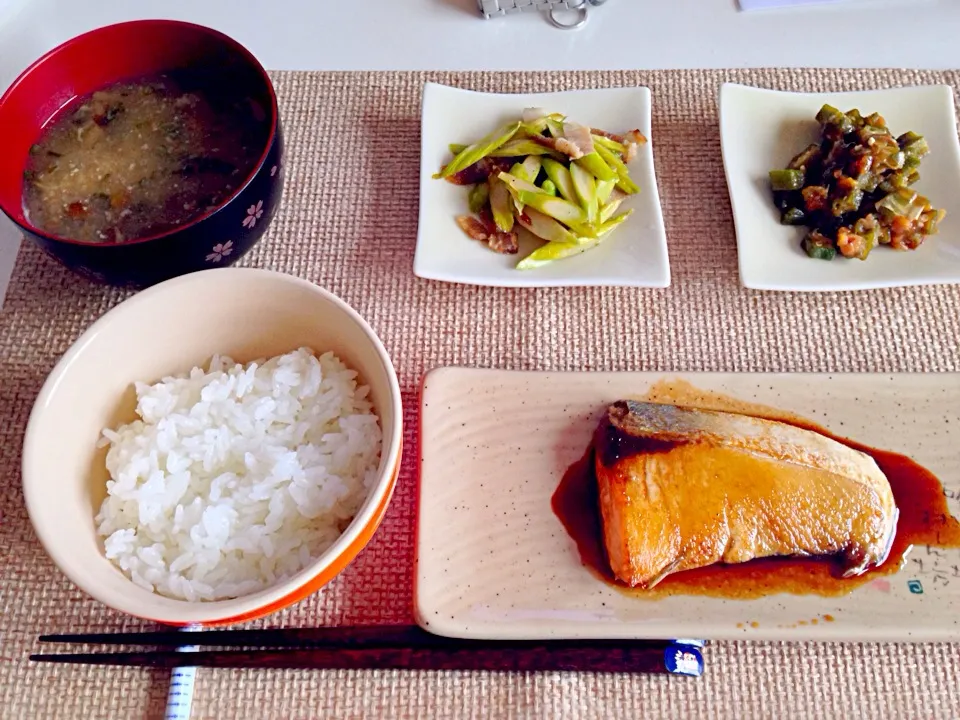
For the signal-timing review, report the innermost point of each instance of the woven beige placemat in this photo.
(348, 223)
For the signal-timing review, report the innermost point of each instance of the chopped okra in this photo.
(853, 189)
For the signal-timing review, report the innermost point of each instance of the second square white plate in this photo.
(634, 255)
(761, 130)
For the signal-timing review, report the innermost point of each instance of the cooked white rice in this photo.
(237, 477)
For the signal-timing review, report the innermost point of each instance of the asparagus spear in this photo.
(604, 190)
(527, 170)
(560, 176)
(548, 187)
(479, 150)
(501, 204)
(609, 144)
(613, 223)
(624, 182)
(479, 194)
(519, 185)
(518, 171)
(545, 227)
(607, 211)
(522, 147)
(557, 208)
(555, 126)
(557, 250)
(585, 186)
(546, 254)
(531, 166)
(595, 165)
(536, 127)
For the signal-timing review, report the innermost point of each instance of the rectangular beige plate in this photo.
(493, 561)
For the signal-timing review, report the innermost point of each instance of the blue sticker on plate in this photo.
(683, 660)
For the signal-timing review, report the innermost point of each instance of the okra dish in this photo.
(562, 182)
(853, 189)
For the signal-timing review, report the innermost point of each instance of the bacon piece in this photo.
(473, 228)
(610, 136)
(480, 171)
(504, 242)
(578, 136)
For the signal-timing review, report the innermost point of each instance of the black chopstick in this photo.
(330, 637)
(544, 657)
(369, 647)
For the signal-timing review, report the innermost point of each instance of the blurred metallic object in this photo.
(554, 10)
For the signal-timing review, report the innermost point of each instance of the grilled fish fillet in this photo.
(682, 488)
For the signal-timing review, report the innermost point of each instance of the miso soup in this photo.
(142, 157)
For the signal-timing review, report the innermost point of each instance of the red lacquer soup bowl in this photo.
(58, 81)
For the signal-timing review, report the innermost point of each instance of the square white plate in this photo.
(634, 255)
(494, 562)
(761, 130)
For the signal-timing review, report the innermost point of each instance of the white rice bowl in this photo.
(238, 476)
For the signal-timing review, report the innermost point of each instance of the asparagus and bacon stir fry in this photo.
(561, 181)
(852, 190)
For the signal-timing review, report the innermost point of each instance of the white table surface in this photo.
(449, 34)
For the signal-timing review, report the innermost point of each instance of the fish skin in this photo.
(682, 488)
